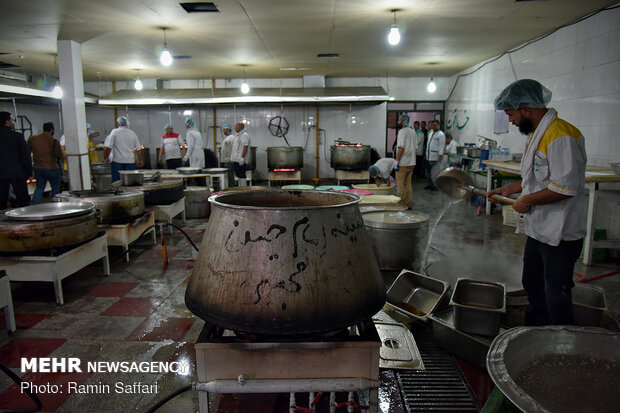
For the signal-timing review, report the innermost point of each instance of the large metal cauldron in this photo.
(285, 263)
(115, 206)
(28, 236)
(285, 157)
(350, 157)
(161, 192)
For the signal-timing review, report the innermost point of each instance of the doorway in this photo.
(417, 111)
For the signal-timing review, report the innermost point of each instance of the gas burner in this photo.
(284, 170)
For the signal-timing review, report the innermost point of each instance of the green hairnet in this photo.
(122, 121)
(190, 123)
(373, 171)
(406, 119)
(169, 126)
(523, 92)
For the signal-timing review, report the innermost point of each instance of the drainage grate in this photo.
(439, 388)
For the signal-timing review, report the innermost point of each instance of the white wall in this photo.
(359, 123)
(580, 64)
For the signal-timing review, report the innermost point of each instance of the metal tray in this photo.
(469, 347)
(398, 349)
(49, 211)
(478, 306)
(557, 368)
(415, 295)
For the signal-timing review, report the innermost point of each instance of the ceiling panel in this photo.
(118, 36)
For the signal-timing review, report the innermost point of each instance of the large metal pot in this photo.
(350, 157)
(197, 202)
(285, 157)
(29, 236)
(160, 192)
(115, 206)
(250, 159)
(285, 263)
(398, 238)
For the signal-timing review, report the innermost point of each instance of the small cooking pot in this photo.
(132, 178)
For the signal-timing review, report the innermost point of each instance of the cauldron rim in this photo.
(348, 199)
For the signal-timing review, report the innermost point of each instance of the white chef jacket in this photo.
(451, 147)
(123, 142)
(241, 140)
(436, 145)
(559, 165)
(227, 148)
(195, 152)
(406, 139)
(419, 135)
(172, 146)
(385, 166)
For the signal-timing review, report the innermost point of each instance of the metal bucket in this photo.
(398, 238)
(197, 202)
(350, 157)
(285, 263)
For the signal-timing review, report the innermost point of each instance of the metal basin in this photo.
(114, 206)
(478, 306)
(286, 263)
(415, 295)
(557, 368)
(350, 157)
(285, 157)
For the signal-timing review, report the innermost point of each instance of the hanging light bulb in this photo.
(394, 35)
(245, 88)
(431, 87)
(57, 92)
(138, 83)
(165, 58)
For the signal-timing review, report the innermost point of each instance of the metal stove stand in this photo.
(55, 268)
(340, 363)
(352, 176)
(280, 177)
(167, 212)
(124, 234)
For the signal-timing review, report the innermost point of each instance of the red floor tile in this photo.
(132, 307)
(156, 329)
(22, 320)
(12, 352)
(13, 398)
(112, 289)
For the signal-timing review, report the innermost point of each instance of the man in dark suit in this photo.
(15, 162)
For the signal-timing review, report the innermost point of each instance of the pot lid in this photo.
(188, 170)
(54, 210)
(157, 185)
(394, 219)
(110, 195)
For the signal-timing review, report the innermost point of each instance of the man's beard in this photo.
(526, 126)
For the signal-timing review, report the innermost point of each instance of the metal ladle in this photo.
(458, 184)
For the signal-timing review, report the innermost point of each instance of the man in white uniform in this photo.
(170, 148)
(227, 152)
(195, 152)
(121, 143)
(382, 170)
(552, 200)
(405, 156)
(240, 148)
(434, 151)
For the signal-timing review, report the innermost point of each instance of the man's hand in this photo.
(241, 161)
(397, 167)
(521, 205)
(140, 163)
(107, 160)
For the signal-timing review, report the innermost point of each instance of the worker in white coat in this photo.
(193, 139)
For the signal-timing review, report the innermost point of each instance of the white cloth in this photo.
(407, 140)
(451, 147)
(123, 142)
(436, 145)
(227, 148)
(241, 140)
(555, 159)
(419, 135)
(385, 166)
(172, 146)
(195, 151)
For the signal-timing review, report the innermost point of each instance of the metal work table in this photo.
(599, 181)
(56, 268)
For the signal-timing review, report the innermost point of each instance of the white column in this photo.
(74, 113)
